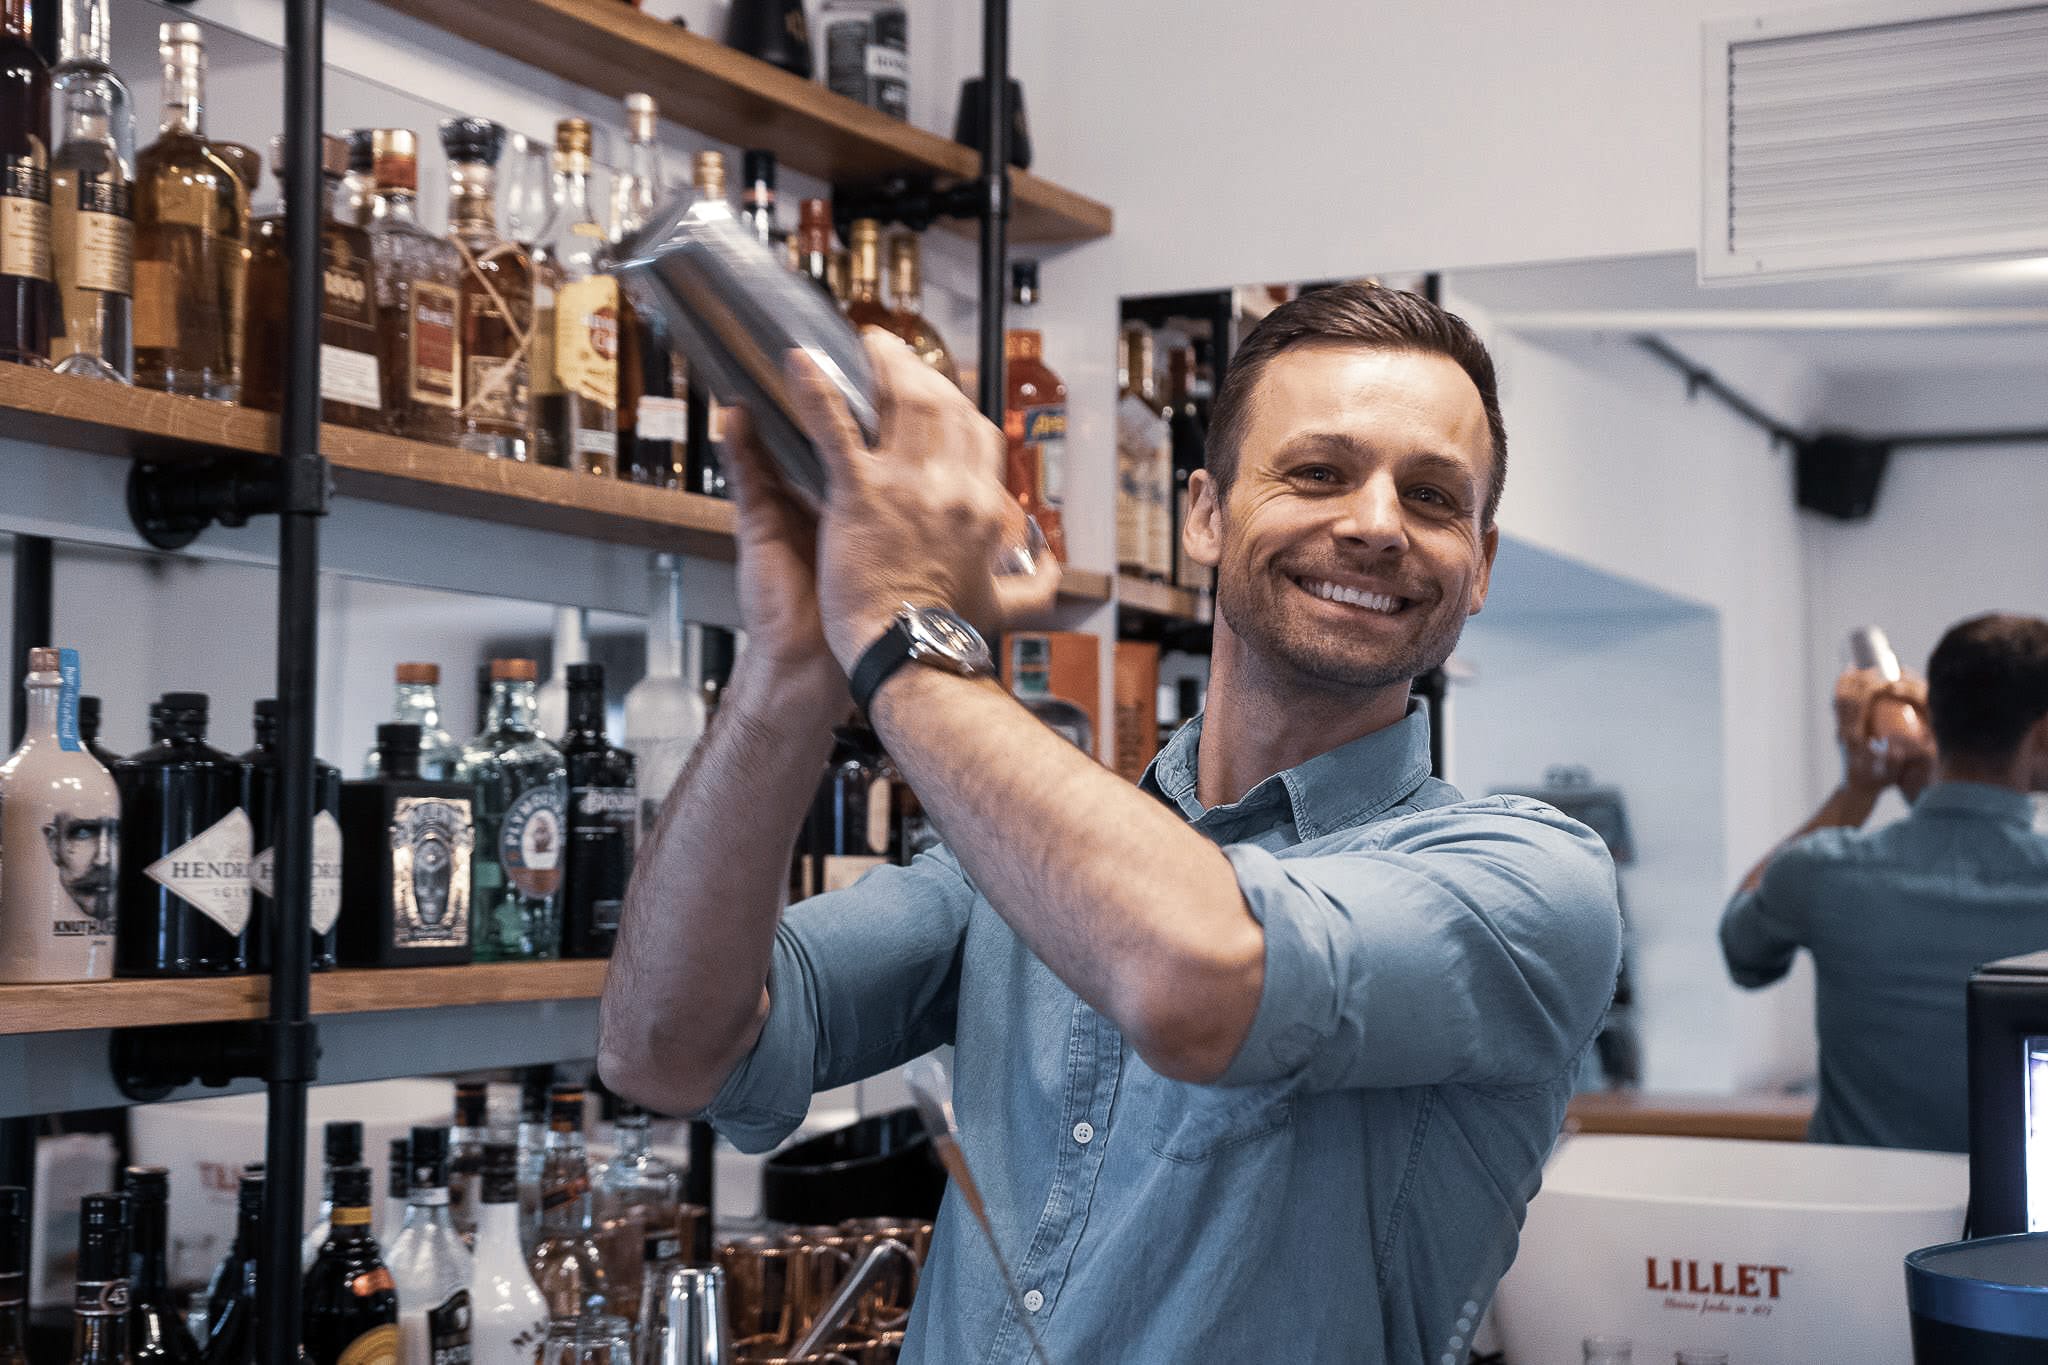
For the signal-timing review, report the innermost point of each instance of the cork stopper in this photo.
(709, 168)
(514, 670)
(419, 673)
(640, 117)
(572, 145)
(43, 660)
(395, 159)
(906, 266)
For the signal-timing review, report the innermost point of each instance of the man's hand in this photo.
(1881, 726)
(923, 516)
(778, 572)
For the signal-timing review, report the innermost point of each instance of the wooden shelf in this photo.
(1157, 599)
(1084, 585)
(65, 1006)
(704, 85)
(1769, 1118)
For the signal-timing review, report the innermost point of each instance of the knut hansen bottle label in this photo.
(212, 872)
(431, 843)
(530, 842)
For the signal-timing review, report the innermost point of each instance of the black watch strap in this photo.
(878, 662)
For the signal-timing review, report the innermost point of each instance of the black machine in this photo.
(2008, 1019)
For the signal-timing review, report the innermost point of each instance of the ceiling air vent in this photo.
(1871, 136)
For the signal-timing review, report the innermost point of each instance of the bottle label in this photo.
(102, 243)
(25, 217)
(435, 358)
(156, 306)
(543, 376)
(326, 872)
(211, 873)
(663, 419)
(587, 339)
(349, 377)
(75, 884)
(448, 1330)
(350, 1218)
(346, 296)
(431, 841)
(604, 822)
(194, 200)
(67, 702)
(1045, 438)
(530, 841)
(101, 1298)
(378, 1346)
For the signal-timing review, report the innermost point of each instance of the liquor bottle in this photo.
(567, 1262)
(429, 1264)
(867, 54)
(704, 468)
(639, 1204)
(1034, 417)
(551, 699)
(717, 651)
(341, 1146)
(664, 711)
(757, 195)
(60, 821)
(906, 296)
(1144, 459)
(839, 276)
(578, 401)
(419, 297)
(536, 1083)
(522, 790)
(350, 1298)
(156, 1320)
(850, 830)
(772, 30)
(814, 242)
(27, 296)
(89, 732)
(358, 195)
(13, 1275)
(259, 777)
(184, 905)
(397, 1191)
(407, 850)
(497, 298)
(654, 408)
(604, 816)
(1190, 448)
(508, 1316)
(231, 1292)
(418, 702)
(864, 306)
(99, 1333)
(92, 190)
(466, 1156)
(351, 382)
(191, 228)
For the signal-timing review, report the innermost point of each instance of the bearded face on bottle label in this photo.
(86, 852)
(530, 842)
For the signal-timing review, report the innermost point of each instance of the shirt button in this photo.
(1084, 1133)
(1033, 1300)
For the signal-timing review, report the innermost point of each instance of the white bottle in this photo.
(551, 698)
(430, 1267)
(60, 819)
(508, 1317)
(665, 709)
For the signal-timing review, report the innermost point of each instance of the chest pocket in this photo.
(1195, 1123)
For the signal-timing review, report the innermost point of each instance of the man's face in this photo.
(1349, 549)
(83, 849)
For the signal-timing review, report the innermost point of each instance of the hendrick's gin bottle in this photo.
(407, 845)
(259, 770)
(604, 811)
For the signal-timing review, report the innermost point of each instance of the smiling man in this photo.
(1259, 1060)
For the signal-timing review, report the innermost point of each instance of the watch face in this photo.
(939, 635)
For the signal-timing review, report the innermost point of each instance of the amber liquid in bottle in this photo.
(497, 299)
(906, 293)
(579, 404)
(1034, 420)
(27, 292)
(419, 301)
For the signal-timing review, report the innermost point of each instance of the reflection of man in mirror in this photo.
(1898, 917)
(84, 850)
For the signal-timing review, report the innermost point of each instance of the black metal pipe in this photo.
(302, 473)
(1698, 379)
(2019, 436)
(995, 203)
(34, 619)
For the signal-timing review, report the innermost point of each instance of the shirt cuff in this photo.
(1296, 1001)
(768, 1095)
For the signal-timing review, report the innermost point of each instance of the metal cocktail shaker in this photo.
(689, 1325)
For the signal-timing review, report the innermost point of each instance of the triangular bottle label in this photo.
(326, 872)
(211, 872)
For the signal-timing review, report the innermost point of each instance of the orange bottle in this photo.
(1034, 418)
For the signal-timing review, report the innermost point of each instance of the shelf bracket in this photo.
(150, 1063)
(170, 504)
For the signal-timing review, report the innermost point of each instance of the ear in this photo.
(1489, 546)
(1201, 534)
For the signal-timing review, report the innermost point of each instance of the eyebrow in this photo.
(1343, 444)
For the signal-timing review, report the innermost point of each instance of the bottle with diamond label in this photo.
(407, 845)
(99, 1334)
(351, 1302)
(259, 769)
(430, 1265)
(60, 820)
(522, 794)
(604, 816)
(184, 904)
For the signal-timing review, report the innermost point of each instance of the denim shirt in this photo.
(1896, 919)
(1350, 1190)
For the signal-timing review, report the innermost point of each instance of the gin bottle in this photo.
(406, 850)
(604, 815)
(418, 702)
(260, 767)
(664, 710)
(522, 792)
(429, 1264)
(92, 218)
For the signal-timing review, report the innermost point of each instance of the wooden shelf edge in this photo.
(1768, 1118)
(1085, 585)
(1157, 599)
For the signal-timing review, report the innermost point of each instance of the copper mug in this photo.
(779, 1284)
(886, 1307)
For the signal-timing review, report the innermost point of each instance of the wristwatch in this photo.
(928, 635)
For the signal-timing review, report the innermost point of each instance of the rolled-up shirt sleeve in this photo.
(1475, 944)
(861, 980)
(1762, 930)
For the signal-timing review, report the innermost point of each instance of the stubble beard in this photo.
(1320, 658)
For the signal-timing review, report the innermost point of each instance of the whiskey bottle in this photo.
(191, 228)
(13, 1275)
(351, 385)
(27, 302)
(89, 732)
(814, 242)
(350, 1298)
(567, 1263)
(864, 306)
(231, 1292)
(850, 830)
(341, 1145)
(604, 815)
(358, 193)
(418, 702)
(757, 195)
(639, 1206)
(497, 298)
(466, 1156)
(664, 711)
(1034, 417)
(60, 821)
(1190, 449)
(906, 296)
(654, 408)
(92, 188)
(867, 53)
(184, 904)
(259, 777)
(99, 1332)
(578, 401)
(156, 1319)
(429, 1264)
(522, 791)
(1144, 460)
(508, 1316)
(407, 847)
(419, 295)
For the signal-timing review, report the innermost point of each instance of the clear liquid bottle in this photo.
(568, 1264)
(418, 702)
(522, 797)
(535, 1085)
(92, 188)
(665, 709)
(551, 698)
(466, 1155)
(497, 298)
(576, 401)
(654, 410)
(639, 1211)
(430, 1266)
(419, 299)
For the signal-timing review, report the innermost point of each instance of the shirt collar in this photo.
(1334, 790)
(1976, 798)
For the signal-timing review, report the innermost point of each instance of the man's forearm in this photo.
(687, 988)
(1847, 807)
(1139, 915)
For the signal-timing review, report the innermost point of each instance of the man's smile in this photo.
(1341, 594)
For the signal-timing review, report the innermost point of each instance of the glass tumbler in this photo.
(600, 1340)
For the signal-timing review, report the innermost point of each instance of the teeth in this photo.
(1333, 592)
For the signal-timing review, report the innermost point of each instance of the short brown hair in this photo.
(1363, 314)
(1987, 685)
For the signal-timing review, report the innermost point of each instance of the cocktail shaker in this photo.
(690, 1325)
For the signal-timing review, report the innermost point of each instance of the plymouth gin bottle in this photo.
(100, 1319)
(604, 814)
(418, 702)
(664, 710)
(60, 820)
(260, 799)
(92, 186)
(429, 1264)
(156, 1320)
(407, 849)
(508, 1316)
(522, 790)
(351, 1301)
(184, 851)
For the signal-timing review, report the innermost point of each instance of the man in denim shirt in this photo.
(1259, 1061)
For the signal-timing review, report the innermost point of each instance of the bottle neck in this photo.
(149, 1273)
(633, 1136)
(513, 706)
(397, 206)
(185, 94)
(84, 36)
(417, 704)
(44, 692)
(349, 1225)
(638, 191)
(586, 712)
(572, 192)
(566, 1144)
(472, 198)
(425, 1202)
(498, 1225)
(666, 632)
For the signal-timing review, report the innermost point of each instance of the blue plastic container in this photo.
(1980, 1303)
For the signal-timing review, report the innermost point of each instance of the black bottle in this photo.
(89, 731)
(773, 30)
(259, 768)
(351, 1307)
(99, 1332)
(28, 296)
(185, 843)
(231, 1293)
(13, 1275)
(156, 1323)
(604, 808)
(406, 846)
(341, 1147)
(851, 827)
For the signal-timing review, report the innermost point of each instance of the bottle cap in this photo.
(44, 659)
(395, 158)
(361, 154)
(351, 1187)
(141, 1183)
(572, 144)
(429, 1156)
(1024, 281)
(249, 1194)
(815, 215)
(400, 737)
(514, 670)
(419, 673)
(757, 167)
(587, 675)
(709, 173)
(640, 117)
(343, 1142)
(472, 1103)
(186, 701)
(474, 141)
